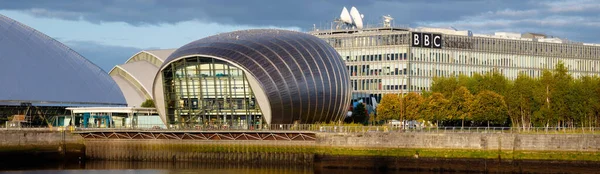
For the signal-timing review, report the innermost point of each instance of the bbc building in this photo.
(401, 60)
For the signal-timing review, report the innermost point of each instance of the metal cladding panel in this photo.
(38, 69)
(304, 78)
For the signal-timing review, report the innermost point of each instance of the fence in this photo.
(333, 129)
(530, 130)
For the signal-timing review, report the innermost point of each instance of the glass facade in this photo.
(208, 92)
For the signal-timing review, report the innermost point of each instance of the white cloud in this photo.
(123, 34)
(571, 5)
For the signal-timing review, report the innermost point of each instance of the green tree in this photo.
(561, 94)
(493, 81)
(437, 108)
(444, 85)
(578, 104)
(359, 114)
(460, 105)
(594, 115)
(474, 83)
(467, 81)
(390, 107)
(149, 103)
(489, 107)
(520, 101)
(542, 94)
(413, 105)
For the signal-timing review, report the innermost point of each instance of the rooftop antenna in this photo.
(387, 21)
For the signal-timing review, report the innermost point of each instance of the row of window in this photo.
(378, 84)
(378, 69)
(376, 57)
(365, 41)
(521, 46)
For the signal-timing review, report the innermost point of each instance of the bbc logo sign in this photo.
(426, 40)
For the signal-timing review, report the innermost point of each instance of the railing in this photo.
(53, 129)
(332, 129)
(272, 127)
(520, 130)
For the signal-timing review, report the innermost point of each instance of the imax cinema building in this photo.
(240, 79)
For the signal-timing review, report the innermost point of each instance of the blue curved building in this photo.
(249, 77)
(38, 71)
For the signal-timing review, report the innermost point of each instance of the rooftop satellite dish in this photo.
(387, 21)
(345, 16)
(388, 18)
(356, 17)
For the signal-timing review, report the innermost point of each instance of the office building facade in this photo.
(400, 60)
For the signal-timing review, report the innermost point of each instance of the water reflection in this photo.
(106, 167)
(326, 166)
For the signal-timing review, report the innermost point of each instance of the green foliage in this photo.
(437, 108)
(444, 85)
(489, 107)
(520, 101)
(413, 105)
(460, 105)
(555, 99)
(149, 103)
(390, 107)
(359, 115)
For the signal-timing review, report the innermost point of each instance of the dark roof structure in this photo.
(302, 76)
(37, 69)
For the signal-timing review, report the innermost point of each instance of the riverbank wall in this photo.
(471, 141)
(43, 144)
(422, 145)
(500, 146)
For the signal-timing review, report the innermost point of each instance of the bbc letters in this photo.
(426, 40)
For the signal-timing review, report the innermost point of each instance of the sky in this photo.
(108, 32)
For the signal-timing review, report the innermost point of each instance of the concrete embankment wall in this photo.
(477, 141)
(23, 138)
(53, 143)
(31, 146)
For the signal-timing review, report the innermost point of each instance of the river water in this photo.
(326, 165)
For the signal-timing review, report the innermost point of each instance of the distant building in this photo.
(40, 77)
(390, 59)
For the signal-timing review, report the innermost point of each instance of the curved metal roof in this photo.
(304, 78)
(37, 69)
